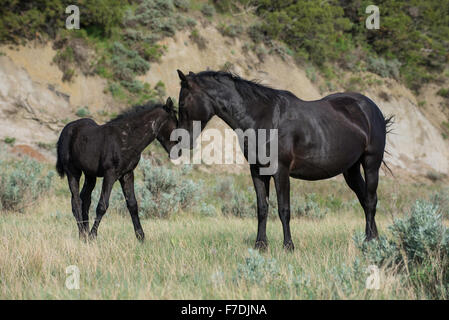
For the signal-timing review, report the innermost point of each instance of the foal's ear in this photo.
(182, 76)
(169, 103)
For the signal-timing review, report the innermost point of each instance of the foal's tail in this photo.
(63, 150)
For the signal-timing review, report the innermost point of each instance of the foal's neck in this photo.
(141, 130)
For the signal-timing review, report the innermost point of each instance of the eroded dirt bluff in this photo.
(33, 99)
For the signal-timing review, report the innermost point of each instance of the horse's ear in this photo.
(182, 76)
(169, 103)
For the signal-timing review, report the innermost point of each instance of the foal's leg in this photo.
(371, 165)
(127, 183)
(74, 180)
(282, 184)
(103, 203)
(86, 192)
(262, 186)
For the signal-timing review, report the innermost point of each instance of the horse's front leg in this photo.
(282, 184)
(262, 186)
(103, 203)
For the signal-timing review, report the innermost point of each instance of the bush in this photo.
(9, 140)
(158, 17)
(182, 4)
(208, 10)
(197, 38)
(83, 112)
(64, 59)
(127, 63)
(21, 183)
(384, 68)
(162, 192)
(240, 203)
(256, 33)
(443, 92)
(257, 269)
(308, 207)
(207, 210)
(232, 30)
(418, 245)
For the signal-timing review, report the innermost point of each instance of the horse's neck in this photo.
(241, 115)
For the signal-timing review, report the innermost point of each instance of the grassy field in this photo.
(192, 256)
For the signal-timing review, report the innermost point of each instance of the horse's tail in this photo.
(63, 150)
(389, 121)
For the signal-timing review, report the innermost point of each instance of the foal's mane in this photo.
(136, 111)
(246, 88)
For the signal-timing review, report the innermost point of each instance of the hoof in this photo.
(83, 236)
(289, 246)
(261, 245)
(140, 235)
(92, 236)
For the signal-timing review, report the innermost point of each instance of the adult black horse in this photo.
(316, 139)
(111, 151)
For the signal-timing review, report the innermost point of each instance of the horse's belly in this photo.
(323, 165)
(307, 170)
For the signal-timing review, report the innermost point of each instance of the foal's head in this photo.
(169, 122)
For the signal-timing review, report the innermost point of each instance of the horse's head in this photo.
(169, 123)
(195, 104)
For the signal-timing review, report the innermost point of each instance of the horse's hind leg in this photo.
(355, 181)
(73, 180)
(371, 165)
(127, 183)
(103, 203)
(86, 192)
(365, 190)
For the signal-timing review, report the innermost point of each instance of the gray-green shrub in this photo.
(22, 182)
(257, 268)
(161, 193)
(418, 245)
(208, 10)
(384, 68)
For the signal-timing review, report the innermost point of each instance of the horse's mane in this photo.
(136, 111)
(247, 88)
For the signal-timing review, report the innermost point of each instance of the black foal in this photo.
(111, 151)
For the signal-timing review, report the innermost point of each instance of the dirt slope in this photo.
(33, 99)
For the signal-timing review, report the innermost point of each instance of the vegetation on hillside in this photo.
(411, 44)
(116, 40)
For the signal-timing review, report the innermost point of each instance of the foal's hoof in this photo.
(370, 237)
(261, 245)
(289, 246)
(83, 236)
(140, 236)
(92, 236)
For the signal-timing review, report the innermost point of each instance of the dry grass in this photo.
(191, 257)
